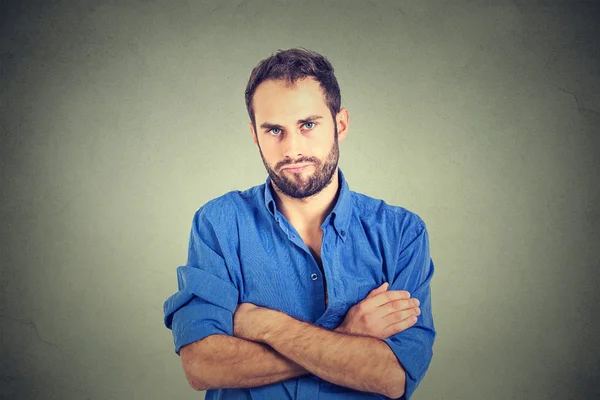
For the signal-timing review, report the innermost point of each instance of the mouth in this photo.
(296, 168)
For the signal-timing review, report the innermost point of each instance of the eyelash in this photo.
(310, 122)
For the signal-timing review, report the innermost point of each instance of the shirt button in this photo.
(343, 233)
(314, 277)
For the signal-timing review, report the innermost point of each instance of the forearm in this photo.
(221, 361)
(358, 362)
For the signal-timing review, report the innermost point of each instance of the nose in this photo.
(293, 144)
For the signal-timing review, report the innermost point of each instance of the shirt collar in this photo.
(340, 215)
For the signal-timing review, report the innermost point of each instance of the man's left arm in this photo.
(358, 362)
(414, 270)
(393, 366)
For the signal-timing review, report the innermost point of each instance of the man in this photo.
(300, 288)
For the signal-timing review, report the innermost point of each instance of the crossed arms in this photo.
(265, 346)
(269, 346)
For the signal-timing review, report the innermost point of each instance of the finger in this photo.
(400, 316)
(406, 308)
(378, 290)
(399, 305)
(383, 298)
(392, 307)
(398, 327)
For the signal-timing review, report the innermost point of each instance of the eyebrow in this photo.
(310, 118)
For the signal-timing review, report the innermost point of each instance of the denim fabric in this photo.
(242, 249)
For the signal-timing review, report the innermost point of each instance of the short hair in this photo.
(293, 64)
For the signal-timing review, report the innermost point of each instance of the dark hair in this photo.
(293, 64)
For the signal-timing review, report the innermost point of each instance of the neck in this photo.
(309, 213)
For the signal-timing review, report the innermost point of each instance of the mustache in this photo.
(286, 162)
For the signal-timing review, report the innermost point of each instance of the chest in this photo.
(313, 276)
(313, 240)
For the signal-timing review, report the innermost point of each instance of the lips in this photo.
(296, 168)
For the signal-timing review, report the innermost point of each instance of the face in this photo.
(296, 136)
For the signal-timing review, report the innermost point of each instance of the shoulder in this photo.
(231, 205)
(377, 212)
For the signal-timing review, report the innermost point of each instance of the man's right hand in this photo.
(381, 314)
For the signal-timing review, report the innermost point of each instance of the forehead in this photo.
(277, 100)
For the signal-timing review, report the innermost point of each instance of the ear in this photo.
(342, 120)
(254, 138)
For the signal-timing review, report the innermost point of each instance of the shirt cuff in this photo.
(197, 320)
(204, 305)
(413, 349)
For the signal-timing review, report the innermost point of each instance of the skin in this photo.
(359, 362)
(381, 314)
(231, 361)
(276, 103)
(269, 346)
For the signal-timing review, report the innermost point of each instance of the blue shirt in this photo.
(242, 249)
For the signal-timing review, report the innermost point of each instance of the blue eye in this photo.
(312, 125)
(275, 129)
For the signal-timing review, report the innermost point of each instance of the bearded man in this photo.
(300, 288)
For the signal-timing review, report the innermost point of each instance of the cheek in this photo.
(269, 151)
(268, 147)
(324, 147)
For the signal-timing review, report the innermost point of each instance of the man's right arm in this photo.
(222, 361)
(200, 315)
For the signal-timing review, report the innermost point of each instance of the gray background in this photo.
(119, 119)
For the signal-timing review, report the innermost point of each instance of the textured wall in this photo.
(119, 119)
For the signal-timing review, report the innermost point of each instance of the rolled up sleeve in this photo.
(206, 300)
(414, 346)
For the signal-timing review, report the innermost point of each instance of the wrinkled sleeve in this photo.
(206, 300)
(414, 346)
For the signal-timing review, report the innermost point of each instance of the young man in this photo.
(300, 288)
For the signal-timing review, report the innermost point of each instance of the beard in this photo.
(299, 187)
